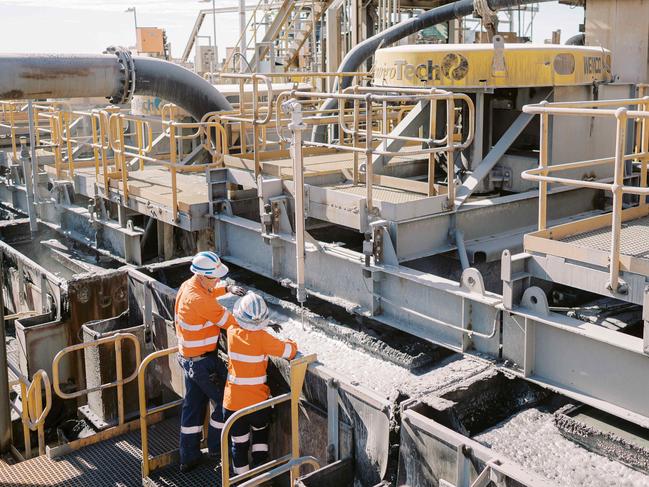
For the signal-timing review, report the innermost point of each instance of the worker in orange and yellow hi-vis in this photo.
(249, 346)
(199, 320)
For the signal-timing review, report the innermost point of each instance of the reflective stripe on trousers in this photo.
(247, 430)
(203, 385)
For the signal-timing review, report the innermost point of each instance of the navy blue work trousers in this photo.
(248, 434)
(204, 382)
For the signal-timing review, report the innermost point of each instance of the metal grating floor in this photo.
(114, 462)
(634, 240)
(206, 474)
(380, 193)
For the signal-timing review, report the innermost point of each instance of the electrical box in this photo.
(204, 59)
(150, 40)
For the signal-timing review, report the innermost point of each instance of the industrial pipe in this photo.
(116, 76)
(362, 51)
(577, 40)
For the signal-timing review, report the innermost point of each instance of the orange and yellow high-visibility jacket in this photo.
(199, 318)
(248, 352)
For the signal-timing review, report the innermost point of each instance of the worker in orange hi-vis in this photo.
(199, 320)
(249, 346)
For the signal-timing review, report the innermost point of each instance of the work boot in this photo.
(189, 466)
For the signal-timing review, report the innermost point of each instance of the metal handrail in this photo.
(282, 469)
(367, 96)
(31, 412)
(621, 114)
(118, 383)
(145, 412)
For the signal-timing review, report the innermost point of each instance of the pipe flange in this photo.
(489, 16)
(127, 68)
(482, 9)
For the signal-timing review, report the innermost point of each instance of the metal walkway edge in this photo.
(114, 462)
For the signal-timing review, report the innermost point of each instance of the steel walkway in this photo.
(114, 462)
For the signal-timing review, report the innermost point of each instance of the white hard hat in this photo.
(208, 264)
(251, 312)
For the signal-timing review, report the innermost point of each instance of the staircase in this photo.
(278, 30)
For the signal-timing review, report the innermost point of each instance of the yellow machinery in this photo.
(485, 65)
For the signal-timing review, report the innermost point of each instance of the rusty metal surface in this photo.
(114, 462)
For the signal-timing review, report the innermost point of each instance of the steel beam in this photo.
(581, 360)
(408, 127)
(491, 159)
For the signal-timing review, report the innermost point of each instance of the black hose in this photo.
(362, 51)
(577, 40)
(173, 83)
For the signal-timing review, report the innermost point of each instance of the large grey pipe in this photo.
(26, 76)
(361, 52)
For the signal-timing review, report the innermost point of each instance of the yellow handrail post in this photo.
(25, 420)
(95, 144)
(120, 386)
(122, 158)
(172, 168)
(543, 163)
(618, 196)
(144, 411)
(298, 373)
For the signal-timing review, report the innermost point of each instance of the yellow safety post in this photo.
(34, 403)
(172, 168)
(298, 373)
(151, 463)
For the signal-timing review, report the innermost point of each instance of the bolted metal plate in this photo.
(109, 463)
(634, 240)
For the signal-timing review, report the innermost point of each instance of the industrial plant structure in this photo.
(450, 220)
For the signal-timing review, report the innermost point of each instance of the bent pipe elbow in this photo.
(40, 76)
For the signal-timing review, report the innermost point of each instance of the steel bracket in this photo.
(473, 281)
(534, 298)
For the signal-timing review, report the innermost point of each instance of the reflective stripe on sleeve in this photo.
(198, 343)
(224, 318)
(247, 381)
(241, 439)
(242, 357)
(259, 429)
(287, 351)
(240, 470)
(259, 447)
(190, 430)
(188, 327)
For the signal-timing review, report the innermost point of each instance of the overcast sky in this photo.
(89, 26)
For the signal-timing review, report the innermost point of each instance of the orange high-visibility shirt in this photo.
(199, 318)
(248, 353)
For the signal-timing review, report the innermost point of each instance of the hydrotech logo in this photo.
(453, 67)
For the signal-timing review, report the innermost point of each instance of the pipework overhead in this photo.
(117, 77)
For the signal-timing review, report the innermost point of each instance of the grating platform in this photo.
(379, 193)
(114, 462)
(589, 241)
(634, 240)
(205, 474)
